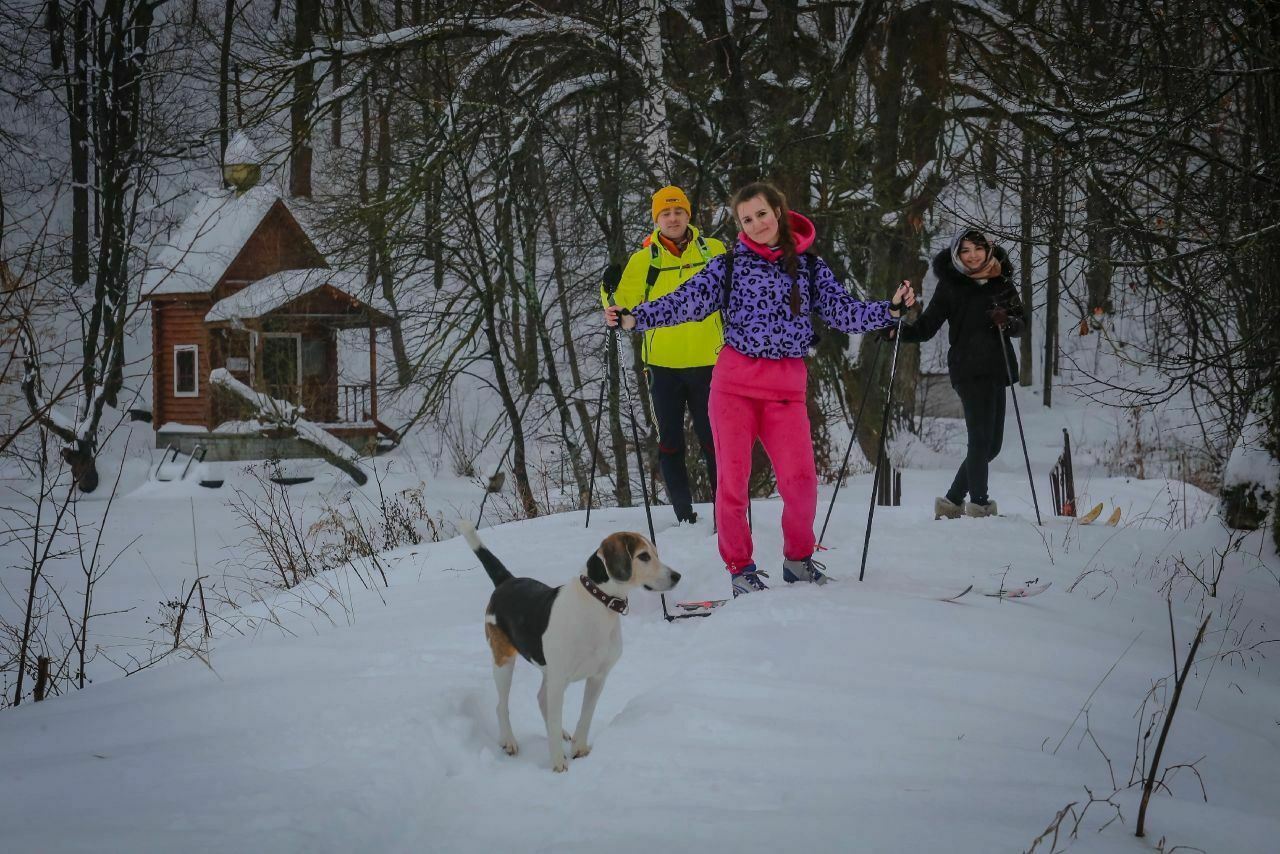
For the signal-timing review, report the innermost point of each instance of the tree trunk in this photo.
(224, 82)
(379, 219)
(306, 19)
(734, 112)
(568, 434)
(585, 418)
(335, 121)
(657, 140)
(78, 127)
(908, 127)
(1053, 284)
(1099, 271)
(519, 466)
(1027, 261)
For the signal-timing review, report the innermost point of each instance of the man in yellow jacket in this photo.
(678, 358)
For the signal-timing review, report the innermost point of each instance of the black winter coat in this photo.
(965, 305)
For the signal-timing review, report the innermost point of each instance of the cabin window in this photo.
(186, 379)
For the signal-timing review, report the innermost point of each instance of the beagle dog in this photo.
(570, 633)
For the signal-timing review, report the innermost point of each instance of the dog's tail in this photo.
(497, 572)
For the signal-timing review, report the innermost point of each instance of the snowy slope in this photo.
(863, 717)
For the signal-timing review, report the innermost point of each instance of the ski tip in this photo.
(957, 595)
(1092, 514)
(704, 605)
(1114, 519)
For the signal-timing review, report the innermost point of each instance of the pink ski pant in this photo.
(783, 428)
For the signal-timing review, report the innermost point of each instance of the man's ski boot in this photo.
(946, 508)
(747, 580)
(978, 511)
(804, 570)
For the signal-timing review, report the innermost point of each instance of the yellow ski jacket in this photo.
(654, 272)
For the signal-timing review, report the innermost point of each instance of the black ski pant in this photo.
(983, 401)
(674, 390)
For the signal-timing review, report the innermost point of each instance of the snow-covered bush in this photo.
(1252, 478)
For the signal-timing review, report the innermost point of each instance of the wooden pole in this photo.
(42, 677)
(258, 353)
(373, 372)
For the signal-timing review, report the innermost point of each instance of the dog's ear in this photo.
(617, 557)
(596, 570)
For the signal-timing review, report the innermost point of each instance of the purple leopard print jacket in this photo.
(758, 320)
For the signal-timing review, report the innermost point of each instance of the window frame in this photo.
(194, 350)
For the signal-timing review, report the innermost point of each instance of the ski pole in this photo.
(635, 439)
(612, 275)
(631, 416)
(884, 428)
(1004, 347)
(595, 451)
(857, 419)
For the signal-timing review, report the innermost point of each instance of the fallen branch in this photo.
(1164, 730)
(286, 416)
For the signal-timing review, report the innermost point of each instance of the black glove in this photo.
(999, 317)
(612, 275)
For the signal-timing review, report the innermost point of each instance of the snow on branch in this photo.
(331, 449)
(508, 29)
(32, 388)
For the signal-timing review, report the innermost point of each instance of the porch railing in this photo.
(353, 401)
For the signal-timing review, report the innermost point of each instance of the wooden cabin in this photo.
(240, 285)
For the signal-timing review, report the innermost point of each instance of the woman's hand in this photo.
(616, 315)
(904, 296)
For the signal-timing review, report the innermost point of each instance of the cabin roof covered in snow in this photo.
(196, 255)
(279, 289)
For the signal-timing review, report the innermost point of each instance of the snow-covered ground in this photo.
(862, 716)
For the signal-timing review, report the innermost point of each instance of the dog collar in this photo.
(613, 603)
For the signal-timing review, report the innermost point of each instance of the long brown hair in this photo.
(777, 200)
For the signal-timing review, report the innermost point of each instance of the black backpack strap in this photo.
(655, 254)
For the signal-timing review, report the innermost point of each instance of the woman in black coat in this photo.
(976, 298)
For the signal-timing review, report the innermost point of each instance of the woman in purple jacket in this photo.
(759, 382)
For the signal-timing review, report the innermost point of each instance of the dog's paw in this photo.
(581, 751)
(560, 765)
(510, 747)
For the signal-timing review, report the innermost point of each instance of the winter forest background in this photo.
(481, 163)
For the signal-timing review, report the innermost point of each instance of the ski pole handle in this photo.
(612, 275)
(907, 298)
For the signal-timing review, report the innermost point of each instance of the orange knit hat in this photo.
(670, 197)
